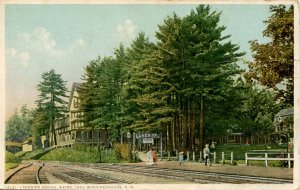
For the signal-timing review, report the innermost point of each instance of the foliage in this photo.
(157, 87)
(18, 125)
(33, 154)
(10, 158)
(40, 126)
(123, 152)
(21, 154)
(9, 166)
(273, 64)
(51, 101)
(256, 110)
(72, 155)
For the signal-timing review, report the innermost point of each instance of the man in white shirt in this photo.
(206, 154)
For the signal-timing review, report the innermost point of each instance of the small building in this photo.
(13, 147)
(27, 144)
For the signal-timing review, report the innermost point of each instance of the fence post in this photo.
(193, 156)
(246, 158)
(176, 154)
(223, 160)
(187, 155)
(266, 157)
(215, 156)
(231, 158)
(106, 151)
(200, 157)
(169, 155)
(289, 158)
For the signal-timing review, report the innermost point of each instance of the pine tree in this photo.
(201, 63)
(17, 128)
(51, 99)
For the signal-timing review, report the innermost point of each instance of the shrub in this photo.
(123, 152)
(10, 158)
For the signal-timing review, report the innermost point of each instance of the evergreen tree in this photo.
(201, 63)
(40, 126)
(51, 100)
(17, 128)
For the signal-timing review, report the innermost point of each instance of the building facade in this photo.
(71, 129)
(27, 144)
(13, 147)
(283, 126)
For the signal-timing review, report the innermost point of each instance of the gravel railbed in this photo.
(273, 172)
(129, 178)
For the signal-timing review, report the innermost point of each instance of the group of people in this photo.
(152, 158)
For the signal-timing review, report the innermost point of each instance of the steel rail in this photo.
(210, 174)
(182, 178)
(70, 177)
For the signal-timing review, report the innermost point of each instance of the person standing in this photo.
(149, 157)
(181, 158)
(206, 154)
(154, 157)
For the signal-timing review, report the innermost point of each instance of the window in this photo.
(76, 102)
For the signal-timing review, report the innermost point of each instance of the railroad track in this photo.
(29, 174)
(74, 176)
(192, 175)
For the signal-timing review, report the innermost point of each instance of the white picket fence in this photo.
(261, 156)
(265, 157)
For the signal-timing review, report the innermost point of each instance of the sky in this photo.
(65, 38)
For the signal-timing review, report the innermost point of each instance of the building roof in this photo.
(10, 143)
(75, 85)
(27, 140)
(285, 112)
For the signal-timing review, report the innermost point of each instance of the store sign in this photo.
(148, 140)
(147, 135)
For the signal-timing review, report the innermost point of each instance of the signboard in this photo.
(148, 135)
(148, 140)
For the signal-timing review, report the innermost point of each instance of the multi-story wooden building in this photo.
(72, 129)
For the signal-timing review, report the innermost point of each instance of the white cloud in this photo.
(126, 31)
(40, 49)
(24, 58)
(77, 45)
(32, 53)
(39, 38)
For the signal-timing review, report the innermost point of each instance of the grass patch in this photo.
(11, 158)
(73, 155)
(240, 150)
(11, 161)
(21, 154)
(33, 154)
(9, 166)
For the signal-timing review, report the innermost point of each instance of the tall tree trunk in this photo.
(193, 126)
(201, 138)
(52, 120)
(185, 125)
